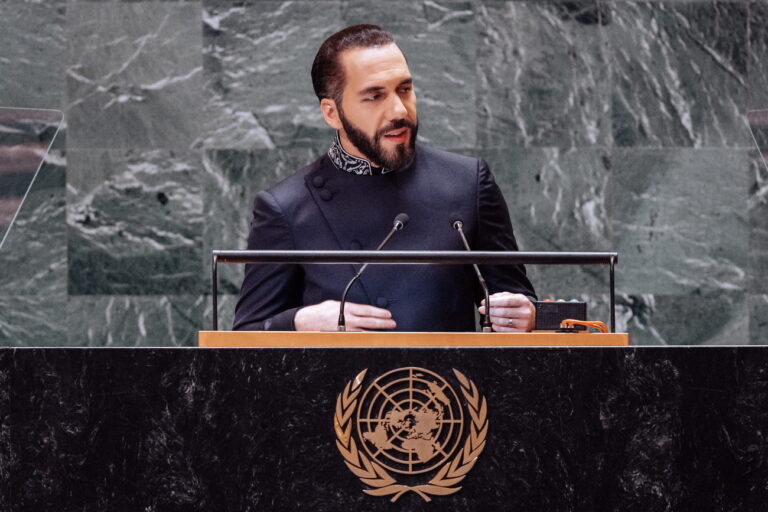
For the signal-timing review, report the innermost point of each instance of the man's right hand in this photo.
(357, 317)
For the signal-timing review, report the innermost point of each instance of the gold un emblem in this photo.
(410, 423)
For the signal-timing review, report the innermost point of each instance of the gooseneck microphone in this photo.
(401, 220)
(458, 225)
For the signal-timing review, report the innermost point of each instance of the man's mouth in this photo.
(398, 135)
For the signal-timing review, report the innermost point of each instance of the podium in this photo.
(277, 339)
(565, 428)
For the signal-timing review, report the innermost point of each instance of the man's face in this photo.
(378, 107)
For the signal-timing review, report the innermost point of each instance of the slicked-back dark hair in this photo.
(327, 71)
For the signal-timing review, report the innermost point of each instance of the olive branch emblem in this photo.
(374, 475)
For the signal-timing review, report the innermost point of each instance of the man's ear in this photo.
(330, 113)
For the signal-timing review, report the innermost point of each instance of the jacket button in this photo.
(318, 181)
(382, 302)
(355, 245)
(326, 194)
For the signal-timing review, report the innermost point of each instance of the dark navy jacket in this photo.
(322, 207)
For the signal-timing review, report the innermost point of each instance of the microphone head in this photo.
(456, 222)
(401, 220)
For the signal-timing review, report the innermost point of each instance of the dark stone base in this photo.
(630, 429)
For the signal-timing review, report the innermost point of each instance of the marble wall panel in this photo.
(649, 477)
(758, 319)
(491, 75)
(758, 55)
(199, 2)
(439, 39)
(34, 255)
(635, 316)
(31, 63)
(720, 318)
(558, 202)
(231, 180)
(226, 311)
(133, 321)
(588, 429)
(33, 320)
(679, 219)
(542, 75)
(135, 222)
(725, 318)
(7, 455)
(63, 429)
(679, 73)
(257, 59)
(134, 75)
(758, 225)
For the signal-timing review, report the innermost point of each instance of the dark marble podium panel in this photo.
(618, 429)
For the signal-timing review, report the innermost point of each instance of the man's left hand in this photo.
(510, 312)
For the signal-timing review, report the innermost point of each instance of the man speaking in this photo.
(347, 200)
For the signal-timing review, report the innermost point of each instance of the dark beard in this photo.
(372, 148)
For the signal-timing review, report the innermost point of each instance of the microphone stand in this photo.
(400, 221)
(458, 225)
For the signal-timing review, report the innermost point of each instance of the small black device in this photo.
(549, 314)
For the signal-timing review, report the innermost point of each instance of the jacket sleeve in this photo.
(494, 233)
(271, 293)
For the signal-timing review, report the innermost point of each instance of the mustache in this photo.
(395, 125)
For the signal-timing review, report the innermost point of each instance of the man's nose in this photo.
(397, 108)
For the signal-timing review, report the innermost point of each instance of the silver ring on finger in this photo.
(509, 321)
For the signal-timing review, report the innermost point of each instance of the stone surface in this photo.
(679, 219)
(25, 137)
(542, 75)
(33, 320)
(542, 89)
(32, 61)
(588, 429)
(34, 254)
(133, 75)
(7, 456)
(135, 222)
(231, 180)
(679, 73)
(758, 224)
(758, 319)
(198, 2)
(558, 202)
(257, 57)
(226, 312)
(720, 318)
(133, 321)
(758, 53)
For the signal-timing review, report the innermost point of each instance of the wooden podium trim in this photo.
(276, 339)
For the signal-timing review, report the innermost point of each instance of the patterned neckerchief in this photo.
(352, 164)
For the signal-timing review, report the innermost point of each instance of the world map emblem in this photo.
(410, 431)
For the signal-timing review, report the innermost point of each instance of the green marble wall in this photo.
(610, 125)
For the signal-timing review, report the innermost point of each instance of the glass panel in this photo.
(25, 138)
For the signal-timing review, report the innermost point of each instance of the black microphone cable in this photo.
(401, 220)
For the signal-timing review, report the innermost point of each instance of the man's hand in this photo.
(357, 317)
(510, 312)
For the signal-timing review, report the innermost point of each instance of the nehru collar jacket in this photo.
(322, 207)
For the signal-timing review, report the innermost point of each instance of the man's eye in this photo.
(372, 97)
(406, 89)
